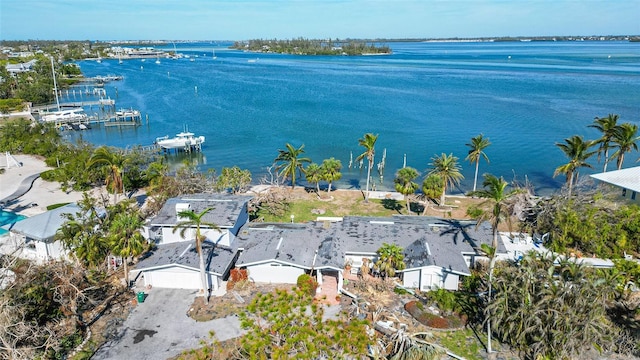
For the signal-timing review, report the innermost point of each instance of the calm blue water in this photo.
(8, 218)
(425, 99)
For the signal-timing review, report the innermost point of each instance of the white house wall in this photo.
(168, 236)
(428, 278)
(451, 281)
(411, 279)
(274, 273)
(174, 278)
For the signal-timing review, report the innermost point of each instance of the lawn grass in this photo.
(303, 209)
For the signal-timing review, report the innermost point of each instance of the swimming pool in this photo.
(7, 217)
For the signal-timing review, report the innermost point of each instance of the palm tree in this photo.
(331, 171)
(607, 126)
(290, 162)
(476, 151)
(313, 174)
(368, 142)
(390, 259)
(197, 221)
(432, 189)
(82, 233)
(404, 183)
(446, 166)
(495, 195)
(126, 239)
(577, 150)
(625, 139)
(115, 162)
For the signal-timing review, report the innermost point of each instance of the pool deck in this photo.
(22, 190)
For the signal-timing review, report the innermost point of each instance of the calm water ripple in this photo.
(425, 99)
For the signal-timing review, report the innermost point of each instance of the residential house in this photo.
(229, 213)
(437, 251)
(177, 266)
(34, 238)
(628, 180)
(175, 263)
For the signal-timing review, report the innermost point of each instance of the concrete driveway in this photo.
(159, 328)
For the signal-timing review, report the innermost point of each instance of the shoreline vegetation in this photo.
(301, 46)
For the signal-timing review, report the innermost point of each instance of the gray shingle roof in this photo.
(329, 242)
(43, 227)
(226, 209)
(217, 259)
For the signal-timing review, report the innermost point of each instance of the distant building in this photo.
(22, 67)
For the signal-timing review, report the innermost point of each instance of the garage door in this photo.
(173, 278)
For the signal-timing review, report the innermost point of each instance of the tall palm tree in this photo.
(126, 239)
(291, 162)
(496, 195)
(432, 189)
(368, 142)
(607, 126)
(447, 167)
(625, 139)
(331, 171)
(390, 259)
(197, 221)
(313, 174)
(577, 150)
(476, 152)
(115, 162)
(404, 183)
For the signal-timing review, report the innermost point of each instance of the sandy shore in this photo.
(42, 193)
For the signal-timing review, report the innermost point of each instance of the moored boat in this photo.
(184, 140)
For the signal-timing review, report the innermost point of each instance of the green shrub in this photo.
(307, 284)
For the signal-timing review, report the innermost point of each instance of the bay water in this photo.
(425, 99)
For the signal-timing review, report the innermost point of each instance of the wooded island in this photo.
(303, 46)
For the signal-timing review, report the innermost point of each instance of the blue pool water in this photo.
(424, 99)
(8, 218)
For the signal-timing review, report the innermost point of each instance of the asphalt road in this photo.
(159, 328)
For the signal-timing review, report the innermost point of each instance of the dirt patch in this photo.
(231, 303)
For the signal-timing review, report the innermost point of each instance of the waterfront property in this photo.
(34, 238)
(438, 252)
(229, 213)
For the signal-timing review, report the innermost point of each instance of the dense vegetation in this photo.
(301, 46)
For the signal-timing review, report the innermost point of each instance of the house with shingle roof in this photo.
(177, 266)
(174, 263)
(229, 213)
(437, 251)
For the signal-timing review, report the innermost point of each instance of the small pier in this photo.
(125, 118)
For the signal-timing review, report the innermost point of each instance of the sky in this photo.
(286, 19)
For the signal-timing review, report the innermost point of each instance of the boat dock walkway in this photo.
(54, 107)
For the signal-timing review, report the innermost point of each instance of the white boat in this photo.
(158, 60)
(184, 140)
(213, 53)
(65, 116)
